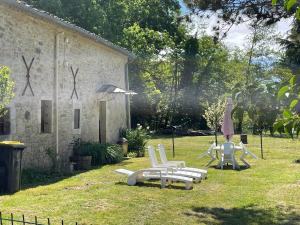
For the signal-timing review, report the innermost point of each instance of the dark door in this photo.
(102, 122)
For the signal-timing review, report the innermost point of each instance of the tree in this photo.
(6, 89)
(214, 114)
(290, 119)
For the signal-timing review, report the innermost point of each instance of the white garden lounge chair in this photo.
(164, 160)
(245, 153)
(155, 173)
(209, 153)
(227, 155)
(190, 172)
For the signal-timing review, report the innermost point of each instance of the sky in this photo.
(238, 34)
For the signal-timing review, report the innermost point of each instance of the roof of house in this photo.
(22, 6)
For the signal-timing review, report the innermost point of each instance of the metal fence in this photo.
(13, 221)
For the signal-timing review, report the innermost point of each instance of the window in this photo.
(76, 118)
(5, 123)
(46, 116)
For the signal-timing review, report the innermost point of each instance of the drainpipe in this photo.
(127, 97)
(56, 71)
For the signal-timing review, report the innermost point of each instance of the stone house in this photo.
(68, 83)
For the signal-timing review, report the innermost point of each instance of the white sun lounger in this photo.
(190, 172)
(164, 160)
(154, 173)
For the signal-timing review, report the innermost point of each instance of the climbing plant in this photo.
(6, 89)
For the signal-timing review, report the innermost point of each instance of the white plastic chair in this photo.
(227, 155)
(245, 153)
(210, 153)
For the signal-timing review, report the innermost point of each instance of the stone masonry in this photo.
(55, 50)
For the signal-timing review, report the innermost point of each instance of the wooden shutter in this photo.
(76, 118)
(46, 116)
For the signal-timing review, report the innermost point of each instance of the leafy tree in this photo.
(292, 53)
(6, 89)
(289, 122)
(214, 114)
(109, 18)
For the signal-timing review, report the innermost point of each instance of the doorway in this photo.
(102, 122)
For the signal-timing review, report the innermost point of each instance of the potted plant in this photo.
(81, 155)
(137, 140)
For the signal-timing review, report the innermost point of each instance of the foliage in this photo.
(259, 101)
(109, 18)
(289, 122)
(76, 144)
(137, 140)
(51, 152)
(101, 153)
(36, 176)
(114, 154)
(6, 88)
(291, 6)
(214, 114)
(292, 46)
(132, 155)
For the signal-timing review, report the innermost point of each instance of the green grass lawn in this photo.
(267, 193)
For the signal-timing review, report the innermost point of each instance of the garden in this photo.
(266, 193)
(197, 95)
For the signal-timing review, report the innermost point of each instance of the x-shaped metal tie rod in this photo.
(28, 75)
(74, 82)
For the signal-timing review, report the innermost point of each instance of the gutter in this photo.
(56, 74)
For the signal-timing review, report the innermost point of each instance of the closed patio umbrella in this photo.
(227, 126)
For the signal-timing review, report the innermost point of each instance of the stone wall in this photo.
(55, 51)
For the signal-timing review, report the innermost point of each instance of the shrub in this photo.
(113, 154)
(132, 155)
(101, 153)
(137, 140)
(51, 152)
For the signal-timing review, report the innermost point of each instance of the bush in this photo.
(101, 153)
(113, 154)
(137, 140)
(132, 155)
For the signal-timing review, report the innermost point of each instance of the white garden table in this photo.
(217, 148)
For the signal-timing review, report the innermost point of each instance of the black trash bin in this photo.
(10, 166)
(244, 138)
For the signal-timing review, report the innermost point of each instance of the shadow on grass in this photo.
(229, 167)
(153, 185)
(247, 215)
(32, 178)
